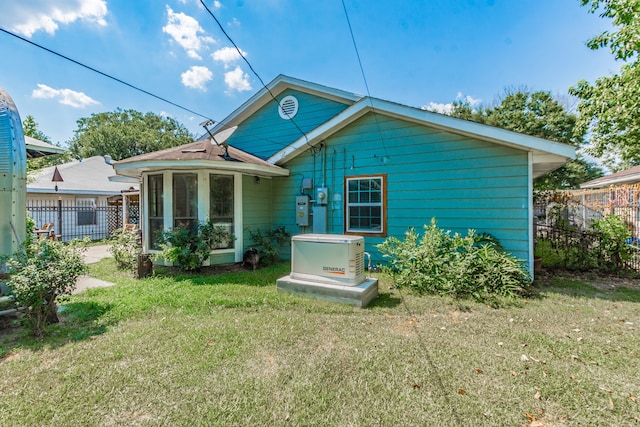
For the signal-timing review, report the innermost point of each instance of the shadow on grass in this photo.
(576, 285)
(385, 300)
(78, 321)
(231, 274)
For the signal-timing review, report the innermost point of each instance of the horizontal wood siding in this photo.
(256, 206)
(464, 183)
(265, 133)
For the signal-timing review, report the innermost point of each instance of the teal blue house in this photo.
(315, 159)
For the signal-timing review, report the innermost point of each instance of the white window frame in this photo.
(381, 204)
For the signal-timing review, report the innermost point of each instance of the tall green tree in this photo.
(126, 133)
(610, 108)
(537, 114)
(30, 128)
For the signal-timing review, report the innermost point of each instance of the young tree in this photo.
(537, 114)
(609, 108)
(126, 133)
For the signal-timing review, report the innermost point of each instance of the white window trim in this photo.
(382, 229)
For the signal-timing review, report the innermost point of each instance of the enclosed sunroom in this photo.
(197, 182)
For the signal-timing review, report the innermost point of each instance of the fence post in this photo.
(60, 216)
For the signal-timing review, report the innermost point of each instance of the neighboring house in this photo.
(91, 203)
(625, 177)
(323, 160)
(617, 193)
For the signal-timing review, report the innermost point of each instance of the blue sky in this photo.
(418, 53)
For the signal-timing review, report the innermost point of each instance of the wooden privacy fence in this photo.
(75, 219)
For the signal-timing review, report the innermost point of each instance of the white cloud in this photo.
(227, 55)
(447, 108)
(64, 96)
(197, 77)
(237, 80)
(438, 108)
(217, 4)
(185, 30)
(26, 18)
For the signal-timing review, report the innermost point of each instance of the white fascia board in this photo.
(539, 146)
(119, 178)
(475, 130)
(135, 169)
(276, 87)
(323, 131)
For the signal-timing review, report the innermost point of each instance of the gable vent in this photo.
(288, 107)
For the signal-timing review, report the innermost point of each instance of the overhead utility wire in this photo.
(434, 368)
(364, 77)
(103, 74)
(252, 69)
(132, 86)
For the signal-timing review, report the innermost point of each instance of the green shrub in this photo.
(188, 249)
(40, 273)
(613, 249)
(125, 247)
(471, 266)
(268, 243)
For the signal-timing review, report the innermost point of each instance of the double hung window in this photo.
(365, 205)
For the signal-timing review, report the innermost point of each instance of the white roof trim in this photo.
(135, 169)
(540, 147)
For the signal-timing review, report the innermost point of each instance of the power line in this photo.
(256, 137)
(252, 69)
(103, 74)
(364, 77)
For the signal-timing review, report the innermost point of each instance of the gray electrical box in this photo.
(322, 196)
(302, 211)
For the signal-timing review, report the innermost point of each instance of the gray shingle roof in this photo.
(87, 176)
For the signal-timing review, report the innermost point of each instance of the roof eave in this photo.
(135, 169)
(544, 150)
(629, 179)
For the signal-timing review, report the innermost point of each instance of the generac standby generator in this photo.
(328, 258)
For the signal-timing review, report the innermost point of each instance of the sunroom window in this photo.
(365, 205)
(185, 200)
(221, 202)
(156, 209)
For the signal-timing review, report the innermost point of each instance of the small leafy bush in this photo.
(268, 243)
(613, 233)
(40, 273)
(125, 247)
(188, 249)
(471, 266)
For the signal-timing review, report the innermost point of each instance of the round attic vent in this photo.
(288, 107)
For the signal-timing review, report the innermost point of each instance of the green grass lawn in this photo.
(230, 350)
